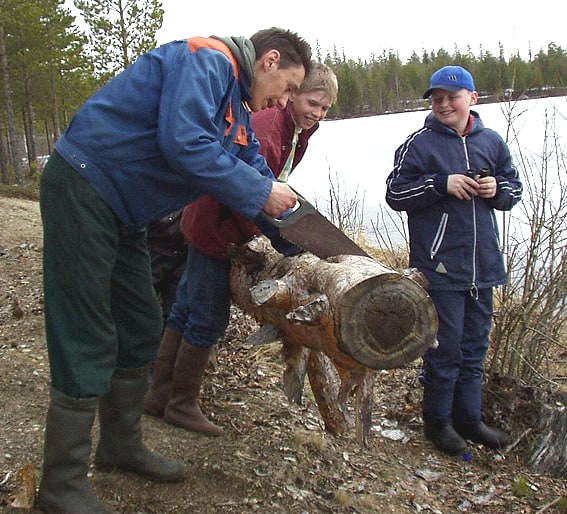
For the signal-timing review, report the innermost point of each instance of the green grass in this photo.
(26, 192)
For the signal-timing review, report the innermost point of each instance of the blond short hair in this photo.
(320, 78)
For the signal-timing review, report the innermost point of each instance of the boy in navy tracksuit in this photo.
(450, 176)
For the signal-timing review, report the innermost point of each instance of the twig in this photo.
(517, 441)
(6, 478)
(549, 505)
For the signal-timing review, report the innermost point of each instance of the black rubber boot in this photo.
(480, 433)
(65, 487)
(445, 438)
(120, 445)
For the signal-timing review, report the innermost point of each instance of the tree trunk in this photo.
(535, 415)
(549, 454)
(4, 164)
(14, 142)
(29, 125)
(350, 311)
(55, 103)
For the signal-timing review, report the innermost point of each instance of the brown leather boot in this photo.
(183, 407)
(159, 391)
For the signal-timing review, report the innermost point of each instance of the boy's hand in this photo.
(281, 199)
(463, 187)
(487, 187)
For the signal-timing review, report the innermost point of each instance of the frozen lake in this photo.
(358, 153)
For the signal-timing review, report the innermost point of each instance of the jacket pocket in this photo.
(439, 235)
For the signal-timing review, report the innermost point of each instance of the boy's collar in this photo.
(470, 125)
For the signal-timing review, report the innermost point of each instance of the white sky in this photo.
(359, 28)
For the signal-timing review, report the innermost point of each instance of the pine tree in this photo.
(120, 31)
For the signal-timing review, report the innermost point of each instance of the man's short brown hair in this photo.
(294, 50)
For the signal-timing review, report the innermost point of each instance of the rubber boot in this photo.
(487, 436)
(65, 487)
(445, 437)
(159, 391)
(120, 445)
(183, 407)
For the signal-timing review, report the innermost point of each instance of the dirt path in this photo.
(275, 456)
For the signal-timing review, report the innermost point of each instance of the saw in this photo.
(308, 229)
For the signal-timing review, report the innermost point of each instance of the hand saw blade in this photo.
(307, 228)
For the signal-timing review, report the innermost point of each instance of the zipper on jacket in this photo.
(474, 291)
(474, 288)
(438, 239)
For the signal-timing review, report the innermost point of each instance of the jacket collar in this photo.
(431, 122)
(245, 53)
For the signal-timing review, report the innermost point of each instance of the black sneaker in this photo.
(445, 438)
(492, 438)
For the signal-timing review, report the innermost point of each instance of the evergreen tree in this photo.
(8, 21)
(43, 56)
(47, 73)
(67, 71)
(120, 31)
(348, 101)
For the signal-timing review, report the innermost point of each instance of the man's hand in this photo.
(281, 199)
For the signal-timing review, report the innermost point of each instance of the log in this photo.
(350, 311)
(359, 312)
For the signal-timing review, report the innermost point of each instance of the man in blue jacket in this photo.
(173, 126)
(449, 177)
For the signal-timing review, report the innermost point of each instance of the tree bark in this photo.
(4, 163)
(549, 453)
(14, 142)
(348, 311)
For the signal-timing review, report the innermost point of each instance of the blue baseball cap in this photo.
(450, 78)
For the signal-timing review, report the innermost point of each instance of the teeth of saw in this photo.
(295, 244)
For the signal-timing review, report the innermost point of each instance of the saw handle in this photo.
(304, 209)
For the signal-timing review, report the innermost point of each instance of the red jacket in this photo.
(208, 225)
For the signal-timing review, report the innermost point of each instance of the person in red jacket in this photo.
(168, 253)
(201, 313)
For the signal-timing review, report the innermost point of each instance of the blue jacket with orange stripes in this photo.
(454, 243)
(171, 127)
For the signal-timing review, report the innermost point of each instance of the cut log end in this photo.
(386, 321)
